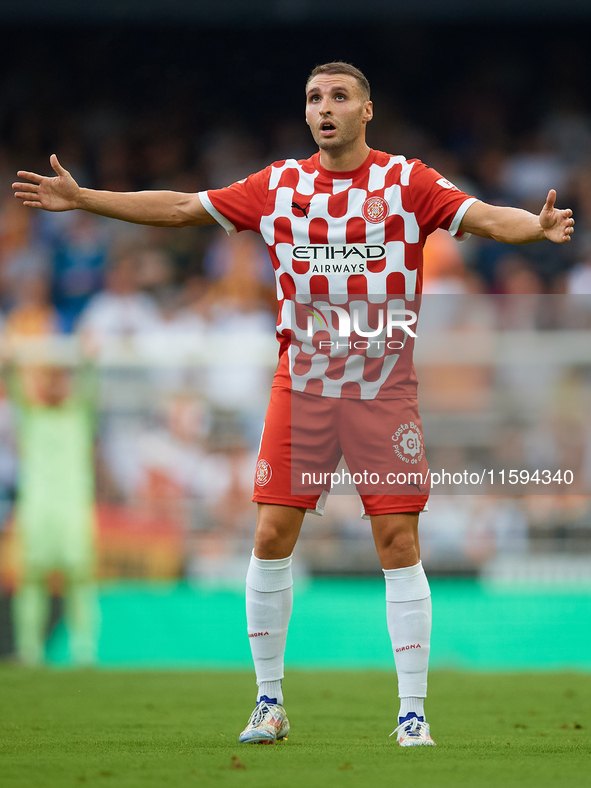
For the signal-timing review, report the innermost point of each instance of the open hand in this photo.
(558, 226)
(58, 193)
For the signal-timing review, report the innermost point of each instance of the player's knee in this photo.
(398, 542)
(269, 540)
(277, 531)
(273, 540)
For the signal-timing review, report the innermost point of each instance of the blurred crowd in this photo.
(177, 440)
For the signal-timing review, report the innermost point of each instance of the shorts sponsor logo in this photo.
(411, 443)
(408, 443)
(406, 648)
(263, 473)
(375, 209)
(260, 634)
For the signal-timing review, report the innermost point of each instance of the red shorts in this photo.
(305, 436)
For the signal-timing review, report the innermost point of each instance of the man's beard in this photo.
(343, 142)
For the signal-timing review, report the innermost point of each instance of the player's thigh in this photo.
(383, 445)
(299, 449)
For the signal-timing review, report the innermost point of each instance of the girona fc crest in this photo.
(375, 209)
(263, 473)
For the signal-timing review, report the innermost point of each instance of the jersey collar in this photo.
(351, 174)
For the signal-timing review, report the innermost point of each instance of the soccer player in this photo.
(348, 222)
(54, 512)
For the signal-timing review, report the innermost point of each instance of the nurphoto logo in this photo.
(350, 323)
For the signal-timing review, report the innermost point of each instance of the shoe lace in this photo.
(412, 727)
(258, 715)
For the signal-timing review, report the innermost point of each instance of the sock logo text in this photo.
(406, 648)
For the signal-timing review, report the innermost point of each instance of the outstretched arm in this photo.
(515, 226)
(62, 193)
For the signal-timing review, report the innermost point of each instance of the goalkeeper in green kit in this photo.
(54, 513)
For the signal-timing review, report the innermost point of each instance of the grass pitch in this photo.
(130, 729)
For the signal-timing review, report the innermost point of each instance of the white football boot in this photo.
(413, 732)
(267, 724)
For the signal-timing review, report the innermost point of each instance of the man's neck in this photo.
(344, 160)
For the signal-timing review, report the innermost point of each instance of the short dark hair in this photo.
(340, 67)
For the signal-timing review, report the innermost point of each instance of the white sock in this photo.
(271, 690)
(408, 606)
(411, 706)
(269, 600)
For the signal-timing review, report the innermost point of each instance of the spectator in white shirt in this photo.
(121, 310)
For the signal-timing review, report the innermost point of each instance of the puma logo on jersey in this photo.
(304, 210)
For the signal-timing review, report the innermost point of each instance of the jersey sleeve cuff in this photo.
(454, 228)
(220, 218)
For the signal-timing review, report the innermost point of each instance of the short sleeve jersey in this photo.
(334, 237)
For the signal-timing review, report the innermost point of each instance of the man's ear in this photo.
(368, 114)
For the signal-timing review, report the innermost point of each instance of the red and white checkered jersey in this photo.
(335, 236)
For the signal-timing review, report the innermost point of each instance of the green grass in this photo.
(127, 729)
